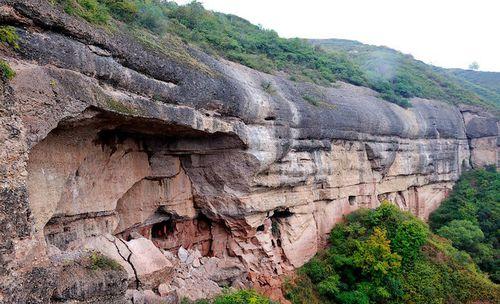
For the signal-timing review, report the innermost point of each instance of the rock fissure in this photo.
(137, 281)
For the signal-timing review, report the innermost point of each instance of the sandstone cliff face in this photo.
(110, 146)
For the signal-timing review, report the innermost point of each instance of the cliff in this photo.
(139, 154)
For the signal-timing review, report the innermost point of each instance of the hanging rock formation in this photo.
(186, 172)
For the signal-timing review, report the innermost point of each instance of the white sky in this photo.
(447, 33)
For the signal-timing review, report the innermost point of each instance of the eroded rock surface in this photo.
(188, 173)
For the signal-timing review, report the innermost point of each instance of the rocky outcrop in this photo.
(137, 153)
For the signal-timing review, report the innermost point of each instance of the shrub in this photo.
(6, 70)
(268, 87)
(234, 297)
(329, 287)
(91, 10)
(9, 36)
(312, 100)
(241, 297)
(410, 236)
(374, 256)
(470, 217)
(124, 10)
(388, 256)
(101, 262)
(463, 233)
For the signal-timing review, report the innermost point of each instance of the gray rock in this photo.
(183, 254)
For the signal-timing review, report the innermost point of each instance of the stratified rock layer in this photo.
(139, 154)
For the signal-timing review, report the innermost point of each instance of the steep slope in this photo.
(138, 152)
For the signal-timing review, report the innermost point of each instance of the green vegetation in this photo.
(119, 107)
(235, 297)
(312, 100)
(93, 11)
(388, 256)
(268, 87)
(6, 71)
(484, 84)
(397, 77)
(317, 101)
(9, 36)
(470, 218)
(101, 262)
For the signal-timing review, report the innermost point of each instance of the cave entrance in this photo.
(162, 229)
(276, 218)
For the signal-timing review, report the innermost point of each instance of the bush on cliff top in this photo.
(470, 218)
(388, 256)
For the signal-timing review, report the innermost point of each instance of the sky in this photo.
(446, 33)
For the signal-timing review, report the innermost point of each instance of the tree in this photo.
(375, 258)
(463, 233)
(474, 66)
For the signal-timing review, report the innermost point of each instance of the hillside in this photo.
(238, 40)
(388, 256)
(410, 77)
(470, 218)
(484, 84)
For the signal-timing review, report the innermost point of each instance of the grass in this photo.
(317, 102)
(268, 87)
(119, 107)
(101, 262)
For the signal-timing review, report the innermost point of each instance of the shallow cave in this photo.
(107, 174)
(276, 218)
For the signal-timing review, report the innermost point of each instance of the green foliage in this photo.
(484, 84)
(119, 107)
(462, 233)
(395, 76)
(6, 71)
(241, 297)
(235, 297)
(317, 101)
(312, 100)
(388, 256)
(374, 257)
(94, 11)
(300, 290)
(410, 236)
(398, 76)
(470, 218)
(124, 10)
(268, 87)
(101, 262)
(251, 45)
(8, 35)
(329, 287)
